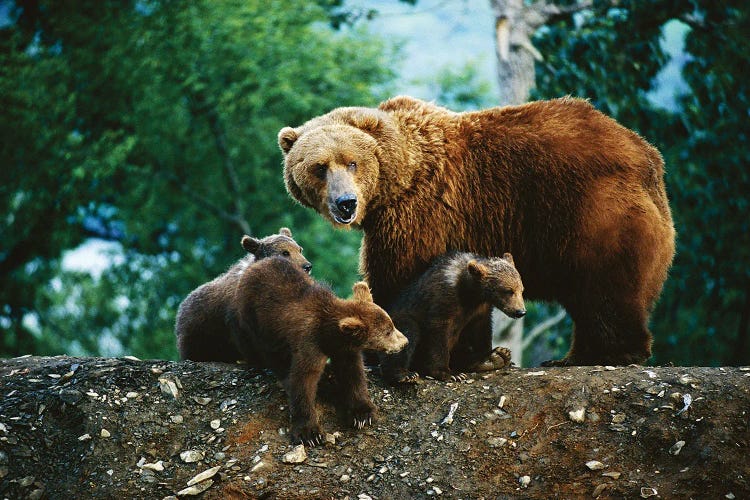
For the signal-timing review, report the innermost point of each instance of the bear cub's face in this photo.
(371, 328)
(500, 284)
(281, 245)
(332, 169)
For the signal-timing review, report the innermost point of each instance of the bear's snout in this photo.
(518, 313)
(346, 206)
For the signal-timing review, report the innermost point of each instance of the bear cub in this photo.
(434, 310)
(202, 325)
(292, 325)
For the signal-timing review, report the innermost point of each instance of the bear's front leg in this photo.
(349, 372)
(302, 387)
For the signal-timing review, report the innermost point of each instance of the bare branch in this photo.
(541, 328)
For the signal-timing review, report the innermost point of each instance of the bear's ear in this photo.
(508, 258)
(285, 231)
(476, 269)
(365, 119)
(362, 292)
(350, 325)
(250, 244)
(287, 138)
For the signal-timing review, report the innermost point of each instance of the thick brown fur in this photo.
(202, 324)
(288, 322)
(577, 199)
(434, 310)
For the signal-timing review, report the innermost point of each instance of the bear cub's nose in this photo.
(347, 204)
(519, 313)
(307, 268)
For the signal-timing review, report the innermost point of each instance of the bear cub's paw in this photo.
(499, 358)
(309, 434)
(363, 414)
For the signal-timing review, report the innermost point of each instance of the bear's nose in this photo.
(519, 313)
(307, 267)
(347, 204)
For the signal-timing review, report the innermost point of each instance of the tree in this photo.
(154, 124)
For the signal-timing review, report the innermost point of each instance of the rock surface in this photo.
(528, 447)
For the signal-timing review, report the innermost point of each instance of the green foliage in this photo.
(154, 124)
(612, 55)
(463, 88)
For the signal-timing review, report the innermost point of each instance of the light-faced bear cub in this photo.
(292, 325)
(434, 310)
(202, 325)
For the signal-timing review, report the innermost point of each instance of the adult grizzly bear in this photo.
(577, 199)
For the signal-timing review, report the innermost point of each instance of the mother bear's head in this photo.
(334, 163)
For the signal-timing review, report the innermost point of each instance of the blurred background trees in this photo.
(151, 126)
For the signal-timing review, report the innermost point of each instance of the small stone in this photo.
(190, 456)
(201, 401)
(730, 496)
(599, 489)
(344, 478)
(157, 466)
(257, 466)
(502, 402)
(676, 448)
(168, 387)
(618, 418)
(206, 474)
(176, 419)
(131, 395)
(496, 442)
(104, 433)
(578, 415)
(215, 424)
(524, 481)
(612, 474)
(85, 437)
(437, 490)
(195, 489)
(330, 439)
(296, 456)
(26, 481)
(648, 492)
(594, 465)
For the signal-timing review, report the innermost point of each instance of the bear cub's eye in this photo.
(320, 170)
(285, 253)
(352, 165)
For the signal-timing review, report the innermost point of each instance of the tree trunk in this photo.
(123, 428)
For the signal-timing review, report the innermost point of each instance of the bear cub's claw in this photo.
(362, 417)
(308, 435)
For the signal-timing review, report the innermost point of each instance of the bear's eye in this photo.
(286, 253)
(320, 170)
(352, 166)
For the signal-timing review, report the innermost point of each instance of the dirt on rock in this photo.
(125, 428)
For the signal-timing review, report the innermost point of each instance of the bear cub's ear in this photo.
(362, 292)
(287, 138)
(351, 325)
(250, 244)
(476, 269)
(508, 258)
(285, 231)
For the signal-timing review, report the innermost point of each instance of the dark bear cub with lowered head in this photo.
(434, 310)
(292, 324)
(202, 325)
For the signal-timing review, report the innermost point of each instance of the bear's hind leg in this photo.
(615, 333)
